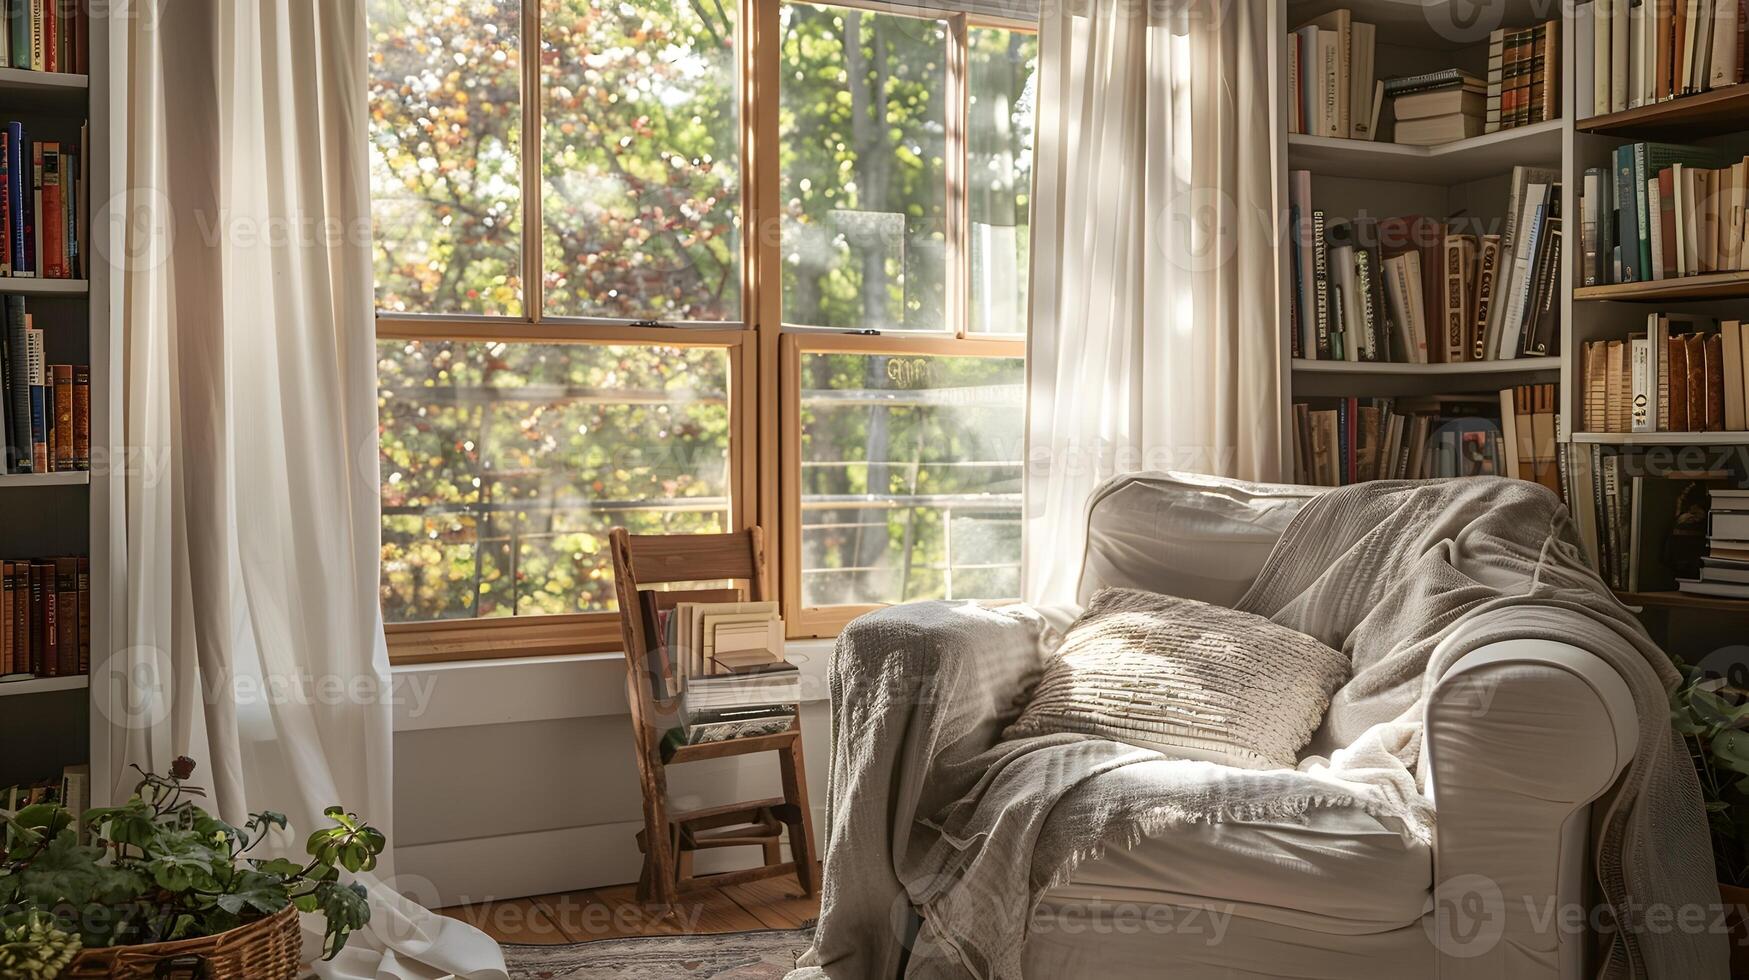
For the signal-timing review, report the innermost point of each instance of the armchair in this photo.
(1521, 737)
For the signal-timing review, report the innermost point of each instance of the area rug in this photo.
(731, 956)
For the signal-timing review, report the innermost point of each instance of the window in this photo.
(910, 477)
(575, 327)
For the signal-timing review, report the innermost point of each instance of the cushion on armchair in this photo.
(1187, 679)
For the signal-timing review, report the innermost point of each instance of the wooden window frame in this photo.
(764, 443)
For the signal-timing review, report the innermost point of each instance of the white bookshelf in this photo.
(1379, 179)
(46, 723)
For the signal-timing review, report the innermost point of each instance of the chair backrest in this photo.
(1183, 534)
(657, 559)
(641, 560)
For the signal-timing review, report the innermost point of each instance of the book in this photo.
(1438, 130)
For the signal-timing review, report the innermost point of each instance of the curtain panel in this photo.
(1155, 339)
(254, 638)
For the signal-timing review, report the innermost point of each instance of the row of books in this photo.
(1663, 211)
(1427, 437)
(723, 661)
(45, 618)
(1724, 569)
(1633, 53)
(1524, 76)
(44, 35)
(44, 205)
(1416, 290)
(1331, 78)
(1684, 373)
(45, 409)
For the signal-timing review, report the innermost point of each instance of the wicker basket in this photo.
(267, 949)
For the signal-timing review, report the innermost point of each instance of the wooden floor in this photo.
(616, 913)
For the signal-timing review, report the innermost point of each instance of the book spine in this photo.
(39, 403)
(33, 209)
(1625, 193)
(67, 616)
(1539, 340)
(1487, 287)
(1321, 284)
(82, 417)
(1455, 276)
(1644, 385)
(40, 663)
(1496, 67)
(18, 365)
(83, 602)
(15, 180)
(54, 250)
(1366, 284)
(1642, 212)
(8, 654)
(38, 56)
(62, 379)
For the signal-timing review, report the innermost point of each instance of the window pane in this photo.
(446, 103)
(504, 466)
(641, 206)
(1000, 174)
(910, 474)
(863, 126)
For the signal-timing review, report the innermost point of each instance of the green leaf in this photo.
(258, 892)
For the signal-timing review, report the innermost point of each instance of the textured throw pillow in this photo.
(1187, 679)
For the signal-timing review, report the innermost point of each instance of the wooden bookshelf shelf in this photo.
(1692, 117)
(1452, 163)
(80, 478)
(44, 685)
(1526, 365)
(1718, 285)
(1662, 438)
(1683, 600)
(27, 286)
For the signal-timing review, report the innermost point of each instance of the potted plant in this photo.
(1711, 712)
(124, 890)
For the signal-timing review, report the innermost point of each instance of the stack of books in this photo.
(724, 662)
(44, 35)
(45, 409)
(1427, 437)
(43, 206)
(1418, 290)
(1332, 87)
(1524, 76)
(1724, 569)
(1684, 373)
(1438, 107)
(1633, 53)
(1663, 212)
(45, 618)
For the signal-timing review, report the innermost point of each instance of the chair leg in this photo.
(801, 833)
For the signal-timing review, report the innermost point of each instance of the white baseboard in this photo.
(484, 869)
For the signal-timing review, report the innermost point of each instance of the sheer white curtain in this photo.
(254, 637)
(1155, 340)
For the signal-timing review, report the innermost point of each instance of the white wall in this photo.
(517, 777)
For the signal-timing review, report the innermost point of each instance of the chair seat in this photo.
(1338, 870)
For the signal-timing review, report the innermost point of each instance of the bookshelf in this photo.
(53, 722)
(1470, 176)
(1470, 179)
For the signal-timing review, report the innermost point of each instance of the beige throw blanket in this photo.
(931, 815)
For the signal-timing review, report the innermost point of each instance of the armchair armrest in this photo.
(1521, 736)
(901, 677)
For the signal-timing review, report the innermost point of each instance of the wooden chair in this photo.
(670, 839)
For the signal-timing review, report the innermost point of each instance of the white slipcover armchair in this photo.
(1520, 738)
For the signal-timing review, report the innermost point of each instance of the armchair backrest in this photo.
(1184, 534)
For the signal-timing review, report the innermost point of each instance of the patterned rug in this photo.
(730, 956)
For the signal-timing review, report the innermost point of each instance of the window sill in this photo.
(516, 689)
